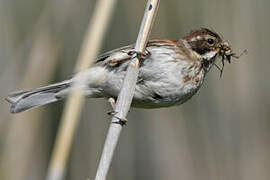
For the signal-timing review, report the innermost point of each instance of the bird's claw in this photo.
(139, 55)
(121, 121)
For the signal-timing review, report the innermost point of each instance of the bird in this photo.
(170, 73)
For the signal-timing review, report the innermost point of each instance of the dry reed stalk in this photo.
(126, 94)
(70, 117)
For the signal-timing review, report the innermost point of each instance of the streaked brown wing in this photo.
(121, 55)
(114, 56)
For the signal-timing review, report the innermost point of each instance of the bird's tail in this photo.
(24, 100)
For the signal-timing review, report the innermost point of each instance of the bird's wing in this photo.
(121, 55)
(114, 57)
(180, 46)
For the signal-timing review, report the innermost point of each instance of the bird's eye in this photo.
(210, 41)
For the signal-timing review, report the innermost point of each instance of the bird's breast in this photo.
(167, 82)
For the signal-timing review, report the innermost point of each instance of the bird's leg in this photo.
(130, 55)
(112, 102)
(122, 121)
(114, 62)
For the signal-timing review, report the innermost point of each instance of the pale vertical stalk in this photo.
(126, 94)
(70, 118)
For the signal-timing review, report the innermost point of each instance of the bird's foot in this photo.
(139, 55)
(113, 113)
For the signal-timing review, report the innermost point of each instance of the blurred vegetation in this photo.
(221, 133)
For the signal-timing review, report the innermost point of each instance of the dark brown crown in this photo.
(202, 32)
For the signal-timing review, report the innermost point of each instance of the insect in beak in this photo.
(225, 52)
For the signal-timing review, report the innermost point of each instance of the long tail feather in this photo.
(24, 100)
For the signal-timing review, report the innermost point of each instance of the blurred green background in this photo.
(221, 133)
